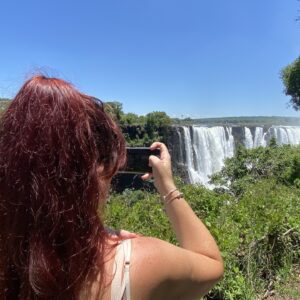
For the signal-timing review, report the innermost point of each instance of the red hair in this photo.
(58, 152)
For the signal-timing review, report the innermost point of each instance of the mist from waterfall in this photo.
(205, 148)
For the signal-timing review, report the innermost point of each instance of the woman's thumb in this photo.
(153, 160)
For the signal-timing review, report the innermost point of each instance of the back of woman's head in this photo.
(58, 152)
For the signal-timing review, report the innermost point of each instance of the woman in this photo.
(58, 153)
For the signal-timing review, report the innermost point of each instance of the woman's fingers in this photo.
(164, 153)
(122, 235)
(146, 176)
(153, 159)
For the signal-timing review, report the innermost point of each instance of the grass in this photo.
(288, 286)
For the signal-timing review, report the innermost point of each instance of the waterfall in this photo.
(282, 135)
(259, 137)
(189, 154)
(248, 138)
(206, 148)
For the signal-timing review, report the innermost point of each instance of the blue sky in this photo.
(196, 58)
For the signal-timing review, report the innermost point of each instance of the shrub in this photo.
(251, 165)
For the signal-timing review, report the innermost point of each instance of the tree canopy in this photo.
(291, 78)
(115, 109)
(158, 119)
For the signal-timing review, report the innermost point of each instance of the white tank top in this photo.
(120, 287)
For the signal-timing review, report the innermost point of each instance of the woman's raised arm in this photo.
(197, 265)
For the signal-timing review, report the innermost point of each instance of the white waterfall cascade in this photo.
(205, 148)
(282, 134)
(205, 151)
(248, 138)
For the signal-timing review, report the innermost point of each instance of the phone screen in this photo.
(138, 160)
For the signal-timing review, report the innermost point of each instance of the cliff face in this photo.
(176, 146)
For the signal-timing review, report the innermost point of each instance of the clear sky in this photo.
(196, 58)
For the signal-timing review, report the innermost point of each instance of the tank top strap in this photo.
(116, 283)
(119, 285)
(127, 255)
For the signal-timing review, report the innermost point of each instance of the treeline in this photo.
(240, 121)
(142, 130)
(254, 217)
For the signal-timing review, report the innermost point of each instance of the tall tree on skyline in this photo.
(290, 76)
(291, 79)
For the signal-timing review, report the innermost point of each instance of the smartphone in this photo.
(138, 160)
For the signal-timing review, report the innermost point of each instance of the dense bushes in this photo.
(251, 165)
(256, 223)
(259, 236)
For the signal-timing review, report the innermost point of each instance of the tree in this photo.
(132, 119)
(158, 119)
(115, 109)
(156, 123)
(291, 78)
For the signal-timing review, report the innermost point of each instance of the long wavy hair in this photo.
(58, 152)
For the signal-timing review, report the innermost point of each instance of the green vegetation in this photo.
(140, 130)
(291, 78)
(248, 166)
(4, 102)
(255, 220)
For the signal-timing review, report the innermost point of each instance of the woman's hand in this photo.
(161, 169)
